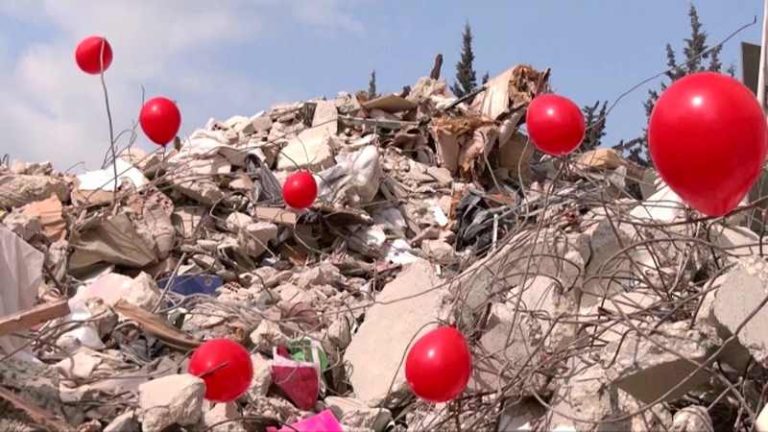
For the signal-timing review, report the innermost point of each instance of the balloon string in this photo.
(213, 370)
(657, 75)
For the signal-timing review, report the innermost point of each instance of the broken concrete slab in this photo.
(520, 416)
(650, 368)
(584, 401)
(23, 225)
(504, 349)
(742, 290)
(549, 252)
(255, 237)
(222, 417)
(169, 400)
(356, 414)
(18, 189)
(404, 310)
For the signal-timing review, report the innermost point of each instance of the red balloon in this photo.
(300, 190)
(707, 139)
(160, 120)
(226, 368)
(555, 124)
(93, 54)
(438, 365)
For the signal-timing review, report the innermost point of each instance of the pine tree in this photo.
(372, 85)
(466, 81)
(695, 54)
(485, 79)
(594, 116)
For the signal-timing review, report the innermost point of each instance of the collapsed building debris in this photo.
(587, 305)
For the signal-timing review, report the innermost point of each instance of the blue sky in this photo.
(241, 56)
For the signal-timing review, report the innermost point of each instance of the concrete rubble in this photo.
(591, 297)
(173, 399)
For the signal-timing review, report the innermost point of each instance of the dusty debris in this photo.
(222, 417)
(356, 414)
(586, 288)
(692, 419)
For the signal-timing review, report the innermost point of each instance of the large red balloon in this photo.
(300, 190)
(160, 120)
(438, 365)
(226, 368)
(555, 124)
(707, 139)
(93, 54)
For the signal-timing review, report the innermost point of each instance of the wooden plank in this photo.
(157, 327)
(38, 415)
(27, 319)
(275, 215)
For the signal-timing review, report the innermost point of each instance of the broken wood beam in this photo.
(31, 317)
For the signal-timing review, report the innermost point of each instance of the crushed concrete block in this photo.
(584, 394)
(646, 370)
(692, 418)
(290, 294)
(125, 422)
(23, 225)
(172, 399)
(222, 417)
(736, 242)
(323, 274)
(388, 328)
(663, 206)
(608, 267)
(339, 333)
(202, 190)
(520, 416)
(502, 351)
(356, 414)
(312, 147)
(741, 291)
(267, 335)
(17, 190)
(237, 221)
(520, 256)
(300, 152)
(262, 376)
(256, 236)
(439, 251)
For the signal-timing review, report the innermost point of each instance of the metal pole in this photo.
(762, 70)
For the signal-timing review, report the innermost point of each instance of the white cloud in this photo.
(55, 112)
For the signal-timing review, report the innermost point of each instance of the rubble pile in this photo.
(592, 297)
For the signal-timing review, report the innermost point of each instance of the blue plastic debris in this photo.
(193, 284)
